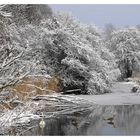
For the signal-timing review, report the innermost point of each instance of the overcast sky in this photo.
(119, 15)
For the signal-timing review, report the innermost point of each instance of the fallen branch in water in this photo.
(52, 106)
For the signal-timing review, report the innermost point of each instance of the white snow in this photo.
(121, 95)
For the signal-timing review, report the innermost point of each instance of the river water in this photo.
(116, 113)
(125, 120)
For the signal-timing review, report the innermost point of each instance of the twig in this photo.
(69, 91)
(13, 81)
(11, 61)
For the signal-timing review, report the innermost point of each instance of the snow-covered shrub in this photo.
(28, 13)
(12, 67)
(62, 47)
(73, 51)
(83, 52)
(125, 43)
(97, 84)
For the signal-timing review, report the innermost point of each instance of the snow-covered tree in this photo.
(12, 68)
(62, 47)
(79, 51)
(125, 44)
(28, 13)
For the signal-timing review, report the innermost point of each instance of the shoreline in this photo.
(121, 95)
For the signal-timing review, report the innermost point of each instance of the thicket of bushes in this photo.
(125, 45)
(59, 46)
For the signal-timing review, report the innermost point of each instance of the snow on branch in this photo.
(3, 13)
(5, 64)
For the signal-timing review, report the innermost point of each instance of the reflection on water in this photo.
(103, 120)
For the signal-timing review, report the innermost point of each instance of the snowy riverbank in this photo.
(121, 95)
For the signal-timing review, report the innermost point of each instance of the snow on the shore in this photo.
(121, 95)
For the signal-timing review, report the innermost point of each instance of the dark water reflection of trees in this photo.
(126, 121)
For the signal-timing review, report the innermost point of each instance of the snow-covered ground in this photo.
(121, 95)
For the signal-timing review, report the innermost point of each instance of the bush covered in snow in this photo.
(125, 44)
(12, 66)
(62, 47)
